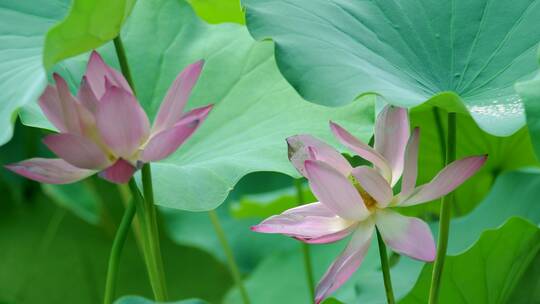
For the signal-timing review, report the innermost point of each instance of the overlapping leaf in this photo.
(255, 108)
(88, 25)
(489, 271)
(22, 77)
(463, 55)
(24, 36)
(218, 11)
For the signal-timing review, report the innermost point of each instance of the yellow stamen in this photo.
(369, 201)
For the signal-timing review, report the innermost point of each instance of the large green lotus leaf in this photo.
(255, 108)
(140, 300)
(218, 11)
(281, 275)
(88, 25)
(50, 256)
(464, 55)
(530, 92)
(504, 154)
(22, 77)
(529, 285)
(489, 271)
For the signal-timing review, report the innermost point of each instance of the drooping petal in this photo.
(335, 191)
(410, 169)
(309, 223)
(304, 147)
(374, 184)
(445, 182)
(391, 136)
(167, 141)
(121, 122)
(173, 105)
(407, 235)
(49, 170)
(96, 72)
(120, 172)
(77, 150)
(347, 263)
(362, 149)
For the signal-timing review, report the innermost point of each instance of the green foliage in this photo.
(88, 25)
(489, 271)
(139, 300)
(25, 35)
(464, 55)
(246, 130)
(50, 256)
(280, 276)
(80, 198)
(530, 93)
(24, 143)
(271, 203)
(504, 154)
(218, 11)
(195, 229)
(331, 301)
(433, 56)
(22, 77)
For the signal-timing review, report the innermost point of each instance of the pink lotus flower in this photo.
(355, 201)
(104, 129)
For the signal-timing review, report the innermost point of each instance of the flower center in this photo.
(369, 201)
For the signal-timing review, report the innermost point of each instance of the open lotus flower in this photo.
(104, 129)
(355, 201)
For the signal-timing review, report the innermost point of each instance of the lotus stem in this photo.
(305, 247)
(233, 267)
(385, 270)
(444, 223)
(146, 212)
(116, 252)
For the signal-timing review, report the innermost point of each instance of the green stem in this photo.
(305, 247)
(152, 261)
(152, 233)
(385, 269)
(233, 267)
(116, 251)
(146, 212)
(442, 141)
(122, 59)
(440, 132)
(444, 224)
(125, 195)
